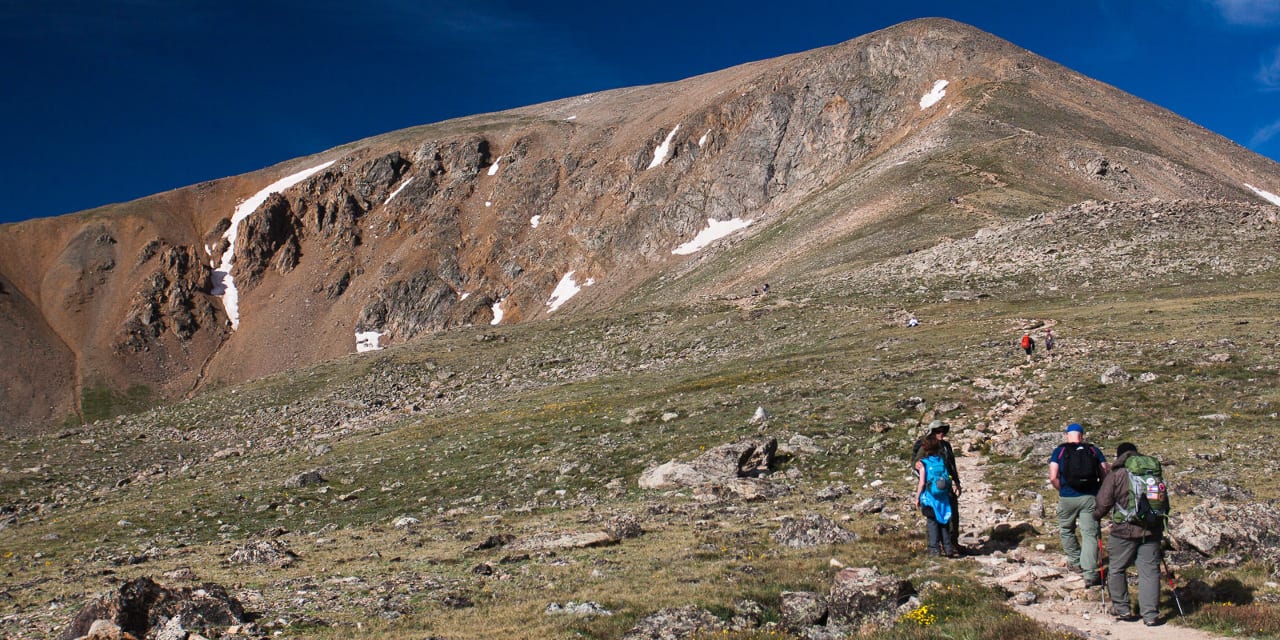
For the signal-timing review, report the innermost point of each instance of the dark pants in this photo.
(939, 535)
(1145, 553)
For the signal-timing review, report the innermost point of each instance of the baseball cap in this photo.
(1075, 426)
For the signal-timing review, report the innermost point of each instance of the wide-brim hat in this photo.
(938, 426)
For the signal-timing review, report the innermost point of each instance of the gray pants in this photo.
(1077, 513)
(1145, 553)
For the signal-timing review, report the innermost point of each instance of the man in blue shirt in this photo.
(1076, 469)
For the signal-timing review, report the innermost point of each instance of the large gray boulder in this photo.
(141, 607)
(746, 459)
(863, 595)
(811, 530)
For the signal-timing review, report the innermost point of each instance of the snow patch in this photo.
(368, 341)
(493, 168)
(660, 154)
(566, 289)
(487, 204)
(497, 312)
(939, 90)
(464, 296)
(715, 230)
(224, 285)
(703, 139)
(1269, 197)
(572, 118)
(535, 221)
(397, 191)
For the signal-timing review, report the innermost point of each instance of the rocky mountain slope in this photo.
(647, 443)
(922, 133)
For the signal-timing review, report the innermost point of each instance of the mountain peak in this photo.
(797, 169)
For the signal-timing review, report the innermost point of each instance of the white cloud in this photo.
(1265, 134)
(1249, 12)
(1269, 73)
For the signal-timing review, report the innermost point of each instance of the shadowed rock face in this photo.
(142, 606)
(446, 225)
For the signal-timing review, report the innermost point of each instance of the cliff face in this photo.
(891, 142)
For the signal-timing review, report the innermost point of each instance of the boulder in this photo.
(565, 540)
(1115, 374)
(811, 530)
(303, 479)
(802, 609)
(1225, 529)
(746, 459)
(141, 606)
(674, 623)
(623, 526)
(671, 475)
(270, 552)
(862, 595)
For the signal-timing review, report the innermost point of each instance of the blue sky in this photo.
(105, 101)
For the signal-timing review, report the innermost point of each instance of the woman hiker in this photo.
(934, 495)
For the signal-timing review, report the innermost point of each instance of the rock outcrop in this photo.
(145, 609)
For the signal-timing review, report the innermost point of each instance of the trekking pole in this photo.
(1102, 573)
(1172, 589)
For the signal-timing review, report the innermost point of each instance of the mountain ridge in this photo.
(429, 228)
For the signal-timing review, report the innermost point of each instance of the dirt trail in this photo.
(1045, 589)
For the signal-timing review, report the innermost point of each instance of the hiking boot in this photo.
(1152, 623)
(1124, 617)
(1092, 581)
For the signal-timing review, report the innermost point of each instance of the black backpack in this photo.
(1079, 468)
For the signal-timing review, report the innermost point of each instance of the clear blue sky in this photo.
(109, 100)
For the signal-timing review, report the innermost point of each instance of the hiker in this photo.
(935, 495)
(912, 322)
(1049, 341)
(1028, 344)
(938, 430)
(1076, 470)
(1134, 539)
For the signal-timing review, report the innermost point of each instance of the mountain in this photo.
(811, 166)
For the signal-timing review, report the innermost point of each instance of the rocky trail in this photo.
(1045, 589)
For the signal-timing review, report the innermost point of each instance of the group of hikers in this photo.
(1130, 493)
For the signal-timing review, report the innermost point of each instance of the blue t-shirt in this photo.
(1056, 457)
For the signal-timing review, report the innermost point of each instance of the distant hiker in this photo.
(765, 288)
(1076, 470)
(1028, 344)
(912, 322)
(934, 494)
(938, 430)
(1048, 342)
(1135, 494)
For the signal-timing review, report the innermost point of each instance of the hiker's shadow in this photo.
(1005, 537)
(1197, 593)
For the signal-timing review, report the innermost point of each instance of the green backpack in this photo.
(1148, 497)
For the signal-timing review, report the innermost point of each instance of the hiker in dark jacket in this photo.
(1129, 544)
(939, 430)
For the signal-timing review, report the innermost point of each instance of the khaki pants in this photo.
(1076, 514)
